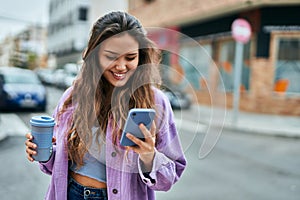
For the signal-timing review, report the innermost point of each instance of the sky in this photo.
(15, 15)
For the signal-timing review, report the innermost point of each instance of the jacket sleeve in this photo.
(169, 161)
(47, 166)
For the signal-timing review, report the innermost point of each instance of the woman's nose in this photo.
(120, 67)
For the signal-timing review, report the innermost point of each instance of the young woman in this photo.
(119, 72)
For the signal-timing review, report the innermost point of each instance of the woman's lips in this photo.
(119, 76)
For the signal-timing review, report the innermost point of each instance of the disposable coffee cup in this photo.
(42, 132)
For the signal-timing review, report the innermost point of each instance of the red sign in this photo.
(241, 30)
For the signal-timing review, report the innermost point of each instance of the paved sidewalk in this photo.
(199, 118)
(276, 125)
(11, 124)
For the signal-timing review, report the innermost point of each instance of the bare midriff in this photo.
(87, 181)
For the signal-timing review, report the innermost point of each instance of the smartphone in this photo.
(135, 117)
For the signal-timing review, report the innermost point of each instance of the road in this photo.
(241, 166)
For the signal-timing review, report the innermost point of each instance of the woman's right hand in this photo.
(30, 147)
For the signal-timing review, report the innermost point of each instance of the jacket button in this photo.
(113, 154)
(115, 191)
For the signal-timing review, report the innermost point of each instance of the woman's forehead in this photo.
(120, 44)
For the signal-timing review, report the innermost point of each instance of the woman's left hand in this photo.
(146, 149)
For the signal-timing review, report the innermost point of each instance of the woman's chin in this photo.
(119, 83)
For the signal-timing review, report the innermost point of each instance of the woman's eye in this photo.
(130, 58)
(111, 57)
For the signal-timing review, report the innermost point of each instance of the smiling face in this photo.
(119, 57)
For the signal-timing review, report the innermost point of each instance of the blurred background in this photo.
(249, 153)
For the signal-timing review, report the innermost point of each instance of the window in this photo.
(227, 59)
(83, 13)
(287, 67)
(195, 61)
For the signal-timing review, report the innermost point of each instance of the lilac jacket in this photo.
(125, 180)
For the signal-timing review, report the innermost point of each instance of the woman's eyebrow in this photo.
(115, 53)
(132, 53)
(112, 52)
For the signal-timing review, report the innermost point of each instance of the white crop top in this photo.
(94, 162)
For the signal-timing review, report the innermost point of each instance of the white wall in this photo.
(99, 8)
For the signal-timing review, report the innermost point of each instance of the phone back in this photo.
(135, 117)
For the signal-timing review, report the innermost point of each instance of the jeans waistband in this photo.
(87, 192)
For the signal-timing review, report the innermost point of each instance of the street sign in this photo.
(241, 30)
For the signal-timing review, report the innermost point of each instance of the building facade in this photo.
(270, 78)
(27, 49)
(70, 22)
(6, 51)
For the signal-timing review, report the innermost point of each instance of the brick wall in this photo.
(178, 12)
(260, 98)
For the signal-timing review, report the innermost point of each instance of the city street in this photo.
(230, 69)
(240, 167)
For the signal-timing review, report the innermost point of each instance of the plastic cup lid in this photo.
(42, 121)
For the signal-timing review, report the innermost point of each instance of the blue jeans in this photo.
(79, 192)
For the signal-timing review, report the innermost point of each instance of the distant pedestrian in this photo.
(119, 72)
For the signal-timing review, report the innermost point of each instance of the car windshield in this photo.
(24, 78)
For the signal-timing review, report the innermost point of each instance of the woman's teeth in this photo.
(118, 75)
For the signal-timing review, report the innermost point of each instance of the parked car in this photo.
(178, 99)
(45, 75)
(69, 79)
(71, 70)
(59, 78)
(21, 89)
(64, 77)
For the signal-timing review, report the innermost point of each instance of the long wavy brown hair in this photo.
(94, 103)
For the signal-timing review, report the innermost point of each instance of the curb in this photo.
(263, 131)
(3, 136)
(201, 127)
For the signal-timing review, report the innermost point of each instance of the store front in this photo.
(271, 60)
